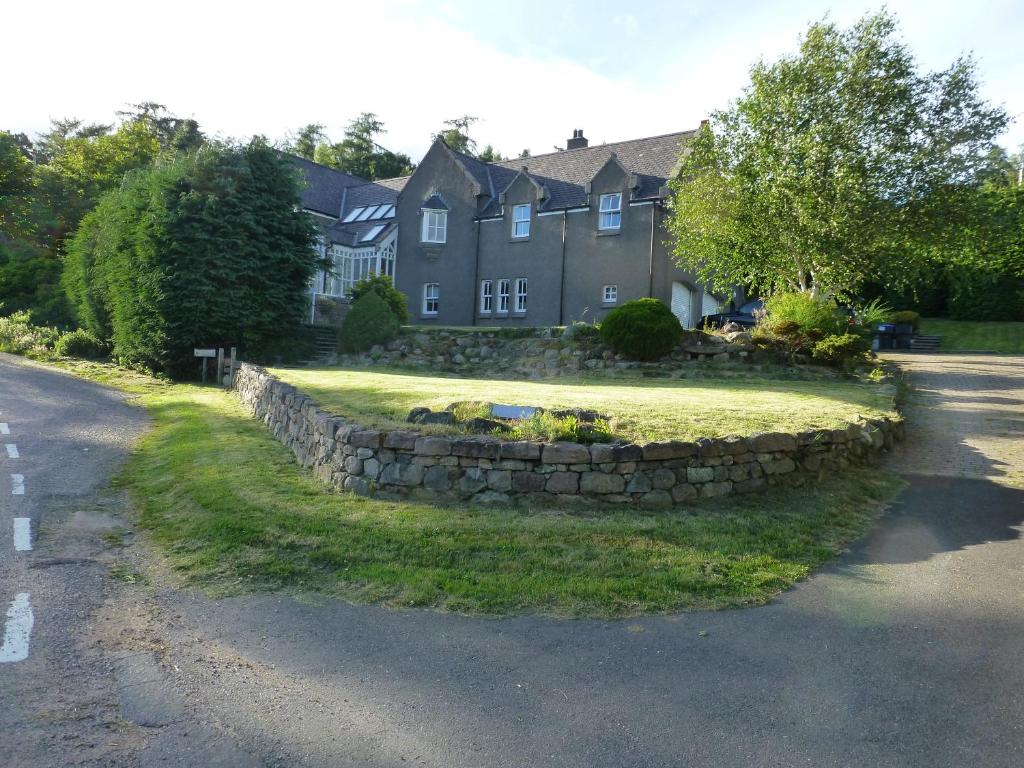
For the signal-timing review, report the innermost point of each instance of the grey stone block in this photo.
(437, 479)
(600, 482)
(473, 480)
(663, 479)
(657, 499)
(479, 448)
(700, 474)
(370, 438)
(520, 450)
(639, 483)
(668, 449)
(528, 482)
(563, 482)
(499, 480)
(433, 446)
(404, 441)
(401, 474)
(565, 453)
(769, 442)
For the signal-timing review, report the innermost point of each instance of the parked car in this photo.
(744, 316)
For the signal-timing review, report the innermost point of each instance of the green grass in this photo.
(956, 335)
(232, 513)
(641, 409)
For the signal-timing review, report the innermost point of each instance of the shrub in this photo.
(385, 288)
(840, 348)
(907, 317)
(583, 334)
(874, 312)
(642, 329)
(369, 322)
(18, 336)
(80, 343)
(803, 309)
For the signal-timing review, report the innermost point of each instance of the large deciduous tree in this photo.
(834, 166)
(208, 248)
(359, 153)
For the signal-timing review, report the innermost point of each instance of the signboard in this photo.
(204, 352)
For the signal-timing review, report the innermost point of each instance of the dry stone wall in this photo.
(404, 463)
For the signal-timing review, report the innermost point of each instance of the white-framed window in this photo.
(521, 294)
(431, 298)
(503, 294)
(486, 296)
(435, 226)
(610, 211)
(521, 220)
(610, 295)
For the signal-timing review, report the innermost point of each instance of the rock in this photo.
(563, 482)
(353, 465)
(520, 450)
(401, 474)
(770, 442)
(639, 483)
(437, 479)
(663, 479)
(366, 439)
(778, 467)
(364, 453)
(565, 453)
(436, 417)
(475, 447)
(405, 441)
(473, 480)
(491, 497)
(700, 474)
(739, 336)
(710, 490)
(683, 492)
(668, 449)
(458, 359)
(528, 482)
(484, 426)
(433, 446)
(731, 327)
(371, 468)
(499, 480)
(416, 414)
(601, 482)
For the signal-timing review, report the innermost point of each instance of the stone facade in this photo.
(407, 464)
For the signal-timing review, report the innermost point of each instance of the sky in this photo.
(532, 71)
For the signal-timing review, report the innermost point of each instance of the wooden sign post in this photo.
(206, 354)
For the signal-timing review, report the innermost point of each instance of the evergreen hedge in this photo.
(210, 249)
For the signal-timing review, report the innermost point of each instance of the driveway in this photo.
(906, 652)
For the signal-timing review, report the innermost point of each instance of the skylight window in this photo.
(372, 233)
(352, 215)
(367, 213)
(382, 212)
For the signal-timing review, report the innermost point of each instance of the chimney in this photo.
(577, 141)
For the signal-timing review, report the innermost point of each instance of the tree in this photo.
(359, 154)
(490, 155)
(456, 135)
(306, 141)
(835, 165)
(15, 186)
(200, 249)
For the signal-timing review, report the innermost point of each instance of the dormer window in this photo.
(610, 211)
(435, 226)
(521, 220)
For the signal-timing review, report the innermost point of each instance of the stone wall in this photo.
(544, 352)
(403, 463)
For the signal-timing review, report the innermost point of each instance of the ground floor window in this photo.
(431, 298)
(610, 294)
(486, 296)
(503, 294)
(521, 294)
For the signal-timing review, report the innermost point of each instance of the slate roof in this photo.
(566, 173)
(324, 186)
(352, 234)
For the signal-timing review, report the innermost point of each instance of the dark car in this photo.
(744, 316)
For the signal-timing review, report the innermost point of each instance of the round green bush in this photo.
(838, 349)
(642, 329)
(370, 321)
(80, 344)
(385, 288)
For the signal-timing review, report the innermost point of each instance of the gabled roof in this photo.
(567, 173)
(325, 187)
(434, 203)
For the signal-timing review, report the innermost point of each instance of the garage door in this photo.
(682, 301)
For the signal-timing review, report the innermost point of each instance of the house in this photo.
(535, 241)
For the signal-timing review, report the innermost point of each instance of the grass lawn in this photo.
(231, 512)
(959, 334)
(641, 409)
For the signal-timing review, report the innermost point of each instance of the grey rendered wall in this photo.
(538, 258)
(451, 265)
(595, 258)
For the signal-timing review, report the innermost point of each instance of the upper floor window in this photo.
(521, 221)
(610, 211)
(486, 296)
(435, 226)
(521, 294)
(431, 298)
(503, 295)
(611, 294)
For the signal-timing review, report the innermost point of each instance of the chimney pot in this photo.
(578, 140)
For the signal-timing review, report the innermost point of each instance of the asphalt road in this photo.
(906, 652)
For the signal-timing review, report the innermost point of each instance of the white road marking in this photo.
(4, 429)
(12, 451)
(17, 630)
(22, 534)
(18, 485)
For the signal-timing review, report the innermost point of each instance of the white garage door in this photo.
(708, 305)
(681, 303)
